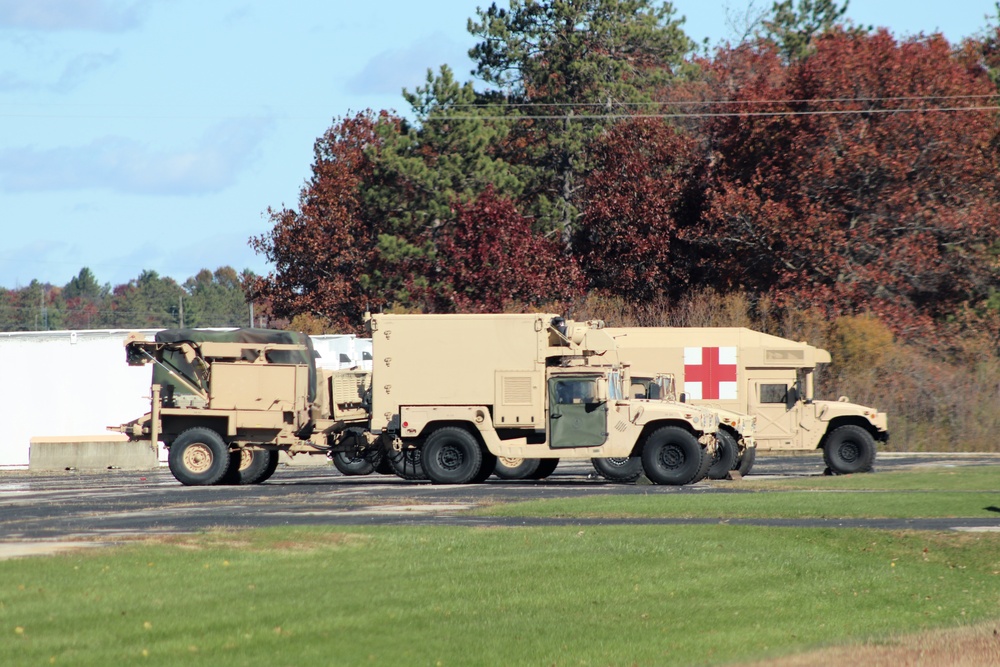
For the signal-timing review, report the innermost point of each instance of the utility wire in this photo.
(718, 114)
(914, 98)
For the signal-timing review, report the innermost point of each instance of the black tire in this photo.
(198, 457)
(746, 461)
(262, 464)
(849, 449)
(350, 463)
(706, 463)
(384, 465)
(451, 455)
(487, 469)
(545, 468)
(516, 468)
(619, 469)
(407, 464)
(672, 456)
(359, 459)
(270, 465)
(250, 466)
(726, 453)
(232, 476)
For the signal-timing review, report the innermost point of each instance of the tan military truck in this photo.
(225, 403)
(460, 390)
(447, 394)
(767, 377)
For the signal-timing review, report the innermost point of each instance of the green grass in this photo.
(947, 492)
(951, 478)
(609, 595)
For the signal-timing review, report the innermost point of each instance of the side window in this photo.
(773, 393)
(576, 391)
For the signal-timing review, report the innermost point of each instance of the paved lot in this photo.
(46, 512)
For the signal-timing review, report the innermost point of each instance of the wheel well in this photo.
(174, 426)
(730, 430)
(464, 425)
(844, 421)
(652, 426)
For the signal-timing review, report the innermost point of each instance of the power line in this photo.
(814, 100)
(715, 114)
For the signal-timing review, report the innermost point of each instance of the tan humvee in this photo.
(766, 377)
(460, 390)
(736, 448)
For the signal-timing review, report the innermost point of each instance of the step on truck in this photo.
(447, 394)
(766, 377)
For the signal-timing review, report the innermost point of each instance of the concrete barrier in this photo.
(98, 452)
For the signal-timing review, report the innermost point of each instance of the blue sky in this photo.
(155, 134)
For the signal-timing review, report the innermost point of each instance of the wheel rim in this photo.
(509, 462)
(671, 457)
(198, 458)
(617, 461)
(849, 452)
(246, 458)
(450, 458)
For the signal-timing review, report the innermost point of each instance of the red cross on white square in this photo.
(710, 372)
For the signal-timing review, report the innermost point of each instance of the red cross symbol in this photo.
(713, 369)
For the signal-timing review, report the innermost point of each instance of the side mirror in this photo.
(683, 397)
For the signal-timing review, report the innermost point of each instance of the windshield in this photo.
(664, 387)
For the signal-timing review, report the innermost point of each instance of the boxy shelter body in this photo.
(764, 376)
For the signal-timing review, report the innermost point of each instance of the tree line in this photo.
(815, 179)
(150, 301)
(814, 165)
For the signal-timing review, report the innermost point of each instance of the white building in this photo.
(339, 351)
(63, 383)
(76, 383)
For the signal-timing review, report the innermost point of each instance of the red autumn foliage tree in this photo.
(874, 198)
(488, 259)
(640, 196)
(325, 254)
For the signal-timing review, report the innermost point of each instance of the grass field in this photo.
(949, 492)
(606, 595)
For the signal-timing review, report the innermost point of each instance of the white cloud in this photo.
(391, 71)
(73, 74)
(128, 166)
(55, 15)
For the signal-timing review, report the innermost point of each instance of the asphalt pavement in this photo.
(42, 513)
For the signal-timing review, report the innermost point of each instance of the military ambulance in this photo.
(767, 377)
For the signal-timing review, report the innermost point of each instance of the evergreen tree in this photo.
(84, 300)
(147, 302)
(215, 299)
(793, 28)
(569, 67)
(424, 171)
